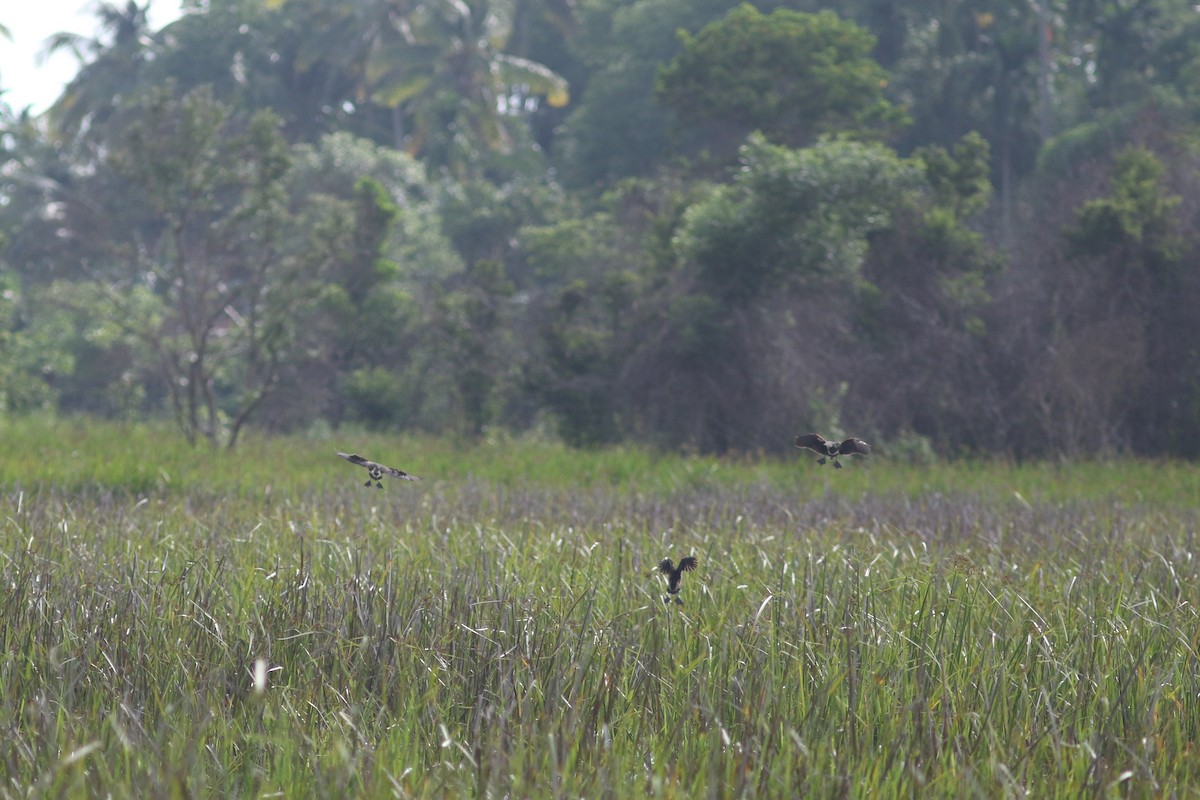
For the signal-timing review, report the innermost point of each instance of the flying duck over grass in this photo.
(377, 471)
(831, 450)
(675, 575)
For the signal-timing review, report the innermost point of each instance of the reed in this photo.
(258, 623)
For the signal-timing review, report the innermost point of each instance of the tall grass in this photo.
(259, 623)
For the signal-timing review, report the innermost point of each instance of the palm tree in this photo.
(438, 65)
(473, 88)
(4, 34)
(336, 44)
(111, 64)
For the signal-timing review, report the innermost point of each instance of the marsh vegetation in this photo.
(258, 623)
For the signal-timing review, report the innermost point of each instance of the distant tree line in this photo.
(949, 228)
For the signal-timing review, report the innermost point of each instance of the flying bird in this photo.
(377, 471)
(675, 574)
(831, 450)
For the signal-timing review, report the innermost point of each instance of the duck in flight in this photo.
(377, 471)
(675, 575)
(831, 450)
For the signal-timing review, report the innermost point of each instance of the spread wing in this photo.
(355, 458)
(852, 446)
(666, 566)
(399, 473)
(811, 441)
(688, 563)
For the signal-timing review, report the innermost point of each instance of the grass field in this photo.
(186, 623)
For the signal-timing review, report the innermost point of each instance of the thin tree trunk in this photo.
(1044, 72)
(397, 127)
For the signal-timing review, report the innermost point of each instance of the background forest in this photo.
(950, 227)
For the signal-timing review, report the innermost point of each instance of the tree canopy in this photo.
(702, 225)
(789, 75)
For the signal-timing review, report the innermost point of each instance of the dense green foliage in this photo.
(703, 225)
(256, 622)
(788, 75)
